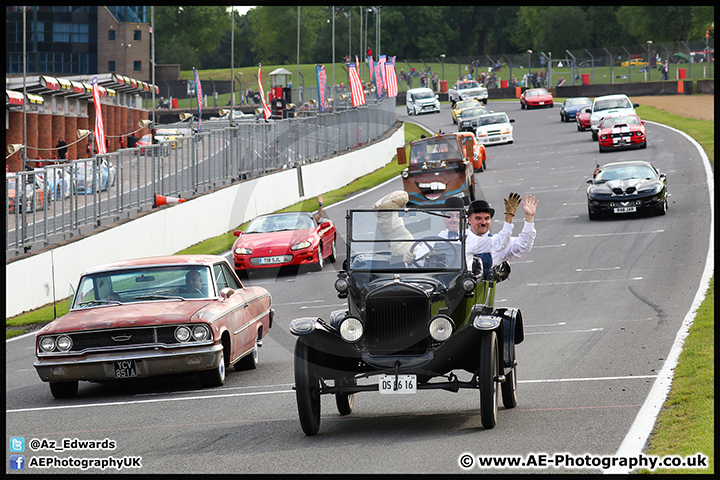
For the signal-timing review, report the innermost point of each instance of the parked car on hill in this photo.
(154, 316)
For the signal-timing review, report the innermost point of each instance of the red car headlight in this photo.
(301, 245)
(243, 251)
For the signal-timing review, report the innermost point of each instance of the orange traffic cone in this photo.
(161, 200)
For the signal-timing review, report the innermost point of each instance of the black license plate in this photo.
(125, 369)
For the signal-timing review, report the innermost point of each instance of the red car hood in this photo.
(273, 239)
(126, 315)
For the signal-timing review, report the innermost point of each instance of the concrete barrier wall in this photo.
(170, 229)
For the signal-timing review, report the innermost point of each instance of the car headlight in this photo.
(505, 131)
(603, 137)
(243, 251)
(182, 334)
(47, 344)
(404, 174)
(441, 327)
(301, 245)
(351, 329)
(64, 343)
(468, 284)
(481, 133)
(341, 285)
(200, 333)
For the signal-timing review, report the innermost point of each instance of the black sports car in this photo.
(408, 325)
(468, 119)
(627, 187)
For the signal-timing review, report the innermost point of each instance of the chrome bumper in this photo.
(149, 363)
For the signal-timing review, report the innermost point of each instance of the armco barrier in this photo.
(172, 228)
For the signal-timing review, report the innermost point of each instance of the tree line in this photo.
(200, 36)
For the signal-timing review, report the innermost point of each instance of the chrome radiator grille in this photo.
(397, 324)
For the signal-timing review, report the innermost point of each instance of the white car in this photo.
(421, 100)
(494, 128)
(609, 104)
(468, 90)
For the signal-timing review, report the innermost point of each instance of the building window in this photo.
(111, 66)
(111, 35)
(137, 66)
(137, 35)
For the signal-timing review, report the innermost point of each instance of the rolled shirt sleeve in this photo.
(518, 246)
(482, 244)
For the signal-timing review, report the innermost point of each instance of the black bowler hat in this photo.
(454, 202)
(480, 206)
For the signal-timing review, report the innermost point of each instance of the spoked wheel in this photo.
(307, 390)
(487, 375)
(509, 389)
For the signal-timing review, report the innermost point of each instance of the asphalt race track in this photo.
(602, 302)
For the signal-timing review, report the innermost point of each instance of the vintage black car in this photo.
(408, 326)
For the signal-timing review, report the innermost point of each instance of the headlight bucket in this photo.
(182, 334)
(64, 343)
(441, 328)
(47, 344)
(200, 333)
(351, 329)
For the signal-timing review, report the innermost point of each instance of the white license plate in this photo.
(125, 369)
(271, 260)
(541, 103)
(624, 209)
(494, 139)
(404, 384)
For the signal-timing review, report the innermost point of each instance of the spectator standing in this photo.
(434, 82)
(61, 148)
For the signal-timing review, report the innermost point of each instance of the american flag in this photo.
(322, 84)
(378, 81)
(198, 91)
(381, 62)
(99, 128)
(266, 108)
(356, 86)
(391, 78)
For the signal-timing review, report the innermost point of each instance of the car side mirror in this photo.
(589, 180)
(512, 120)
(636, 105)
(237, 233)
(325, 224)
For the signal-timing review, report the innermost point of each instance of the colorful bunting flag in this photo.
(99, 127)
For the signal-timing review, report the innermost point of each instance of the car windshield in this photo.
(468, 85)
(144, 284)
(628, 120)
(578, 101)
(611, 103)
(279, 223)
(625, 172)
(435, 150)
(473, 112)
(493, 119)
(534, 93)
(423, 94)
(379, 239)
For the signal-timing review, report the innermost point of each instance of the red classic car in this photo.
(154, 316)
(536, 97)
(583, 118)
(284, 239)
(621, 131)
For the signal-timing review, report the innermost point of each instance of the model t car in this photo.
(411, 323)
(440, 167)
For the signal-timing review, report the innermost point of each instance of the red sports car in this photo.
(583, 118)
(621, 131)
(536, 97)
(154, 316)
(285, 239)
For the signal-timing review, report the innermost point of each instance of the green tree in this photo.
(189, 33)
(551, 29)
(665, 23)
(274, 32)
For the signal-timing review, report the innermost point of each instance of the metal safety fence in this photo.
(57, 202)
